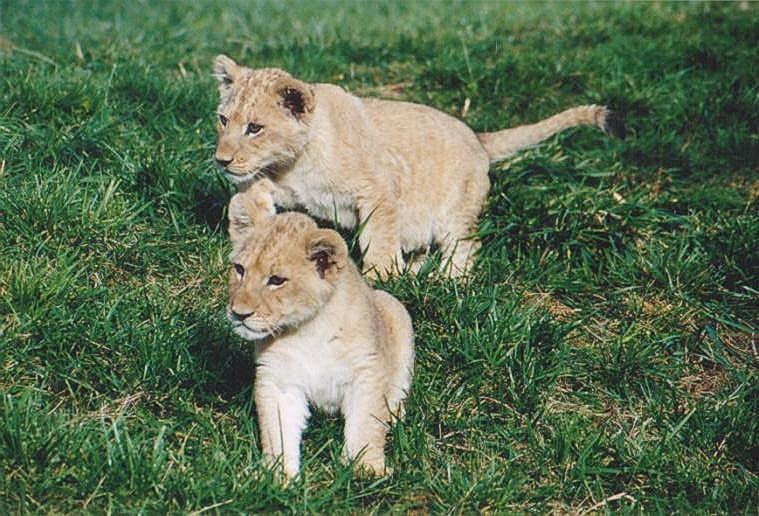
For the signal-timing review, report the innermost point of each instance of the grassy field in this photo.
(601, 358)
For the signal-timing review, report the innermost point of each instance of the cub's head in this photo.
(262, 120)
(283, 270)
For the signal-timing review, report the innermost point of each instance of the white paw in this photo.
(237, 210)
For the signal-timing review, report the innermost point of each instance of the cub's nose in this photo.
(223, 162)
(241, 315)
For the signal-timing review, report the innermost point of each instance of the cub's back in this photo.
(442, 164)
(424, 135)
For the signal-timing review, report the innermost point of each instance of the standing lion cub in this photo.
(414, 175)
(322, 335)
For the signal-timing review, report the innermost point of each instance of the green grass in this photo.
(602, 352)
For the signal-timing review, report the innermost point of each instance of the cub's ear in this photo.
(328, 251)
(225, 71)
(297, 97)
(246, 211)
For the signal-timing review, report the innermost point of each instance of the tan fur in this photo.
(416, 176)
(323, 336)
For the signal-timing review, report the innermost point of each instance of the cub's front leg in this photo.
(282, 417)
(380, 239)
(366, 424)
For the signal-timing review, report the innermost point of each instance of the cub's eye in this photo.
(223, 120)
(275, 280)
(252, 128)
(240, 270)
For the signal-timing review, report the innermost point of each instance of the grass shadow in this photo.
(226, 366)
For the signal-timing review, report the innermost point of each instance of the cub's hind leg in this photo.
(380, 240)
(456, 233)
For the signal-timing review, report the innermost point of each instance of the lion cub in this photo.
(416, 176)
(322, 335)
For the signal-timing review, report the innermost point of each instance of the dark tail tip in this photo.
(614, 125)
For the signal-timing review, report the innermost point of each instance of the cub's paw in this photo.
(282, 474)
(373, 470)
(382, 269)
(369, 463)
(247, 210)
(238, 212)
(375, 274)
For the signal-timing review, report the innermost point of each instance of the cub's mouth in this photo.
(246, 332)
(239, 178)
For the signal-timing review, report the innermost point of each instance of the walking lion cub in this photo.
(413, 175)
(322, 335)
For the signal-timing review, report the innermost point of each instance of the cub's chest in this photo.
(317, 368)
(323, 199)
(328, 385)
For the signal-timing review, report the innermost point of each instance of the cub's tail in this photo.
(502, 144)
